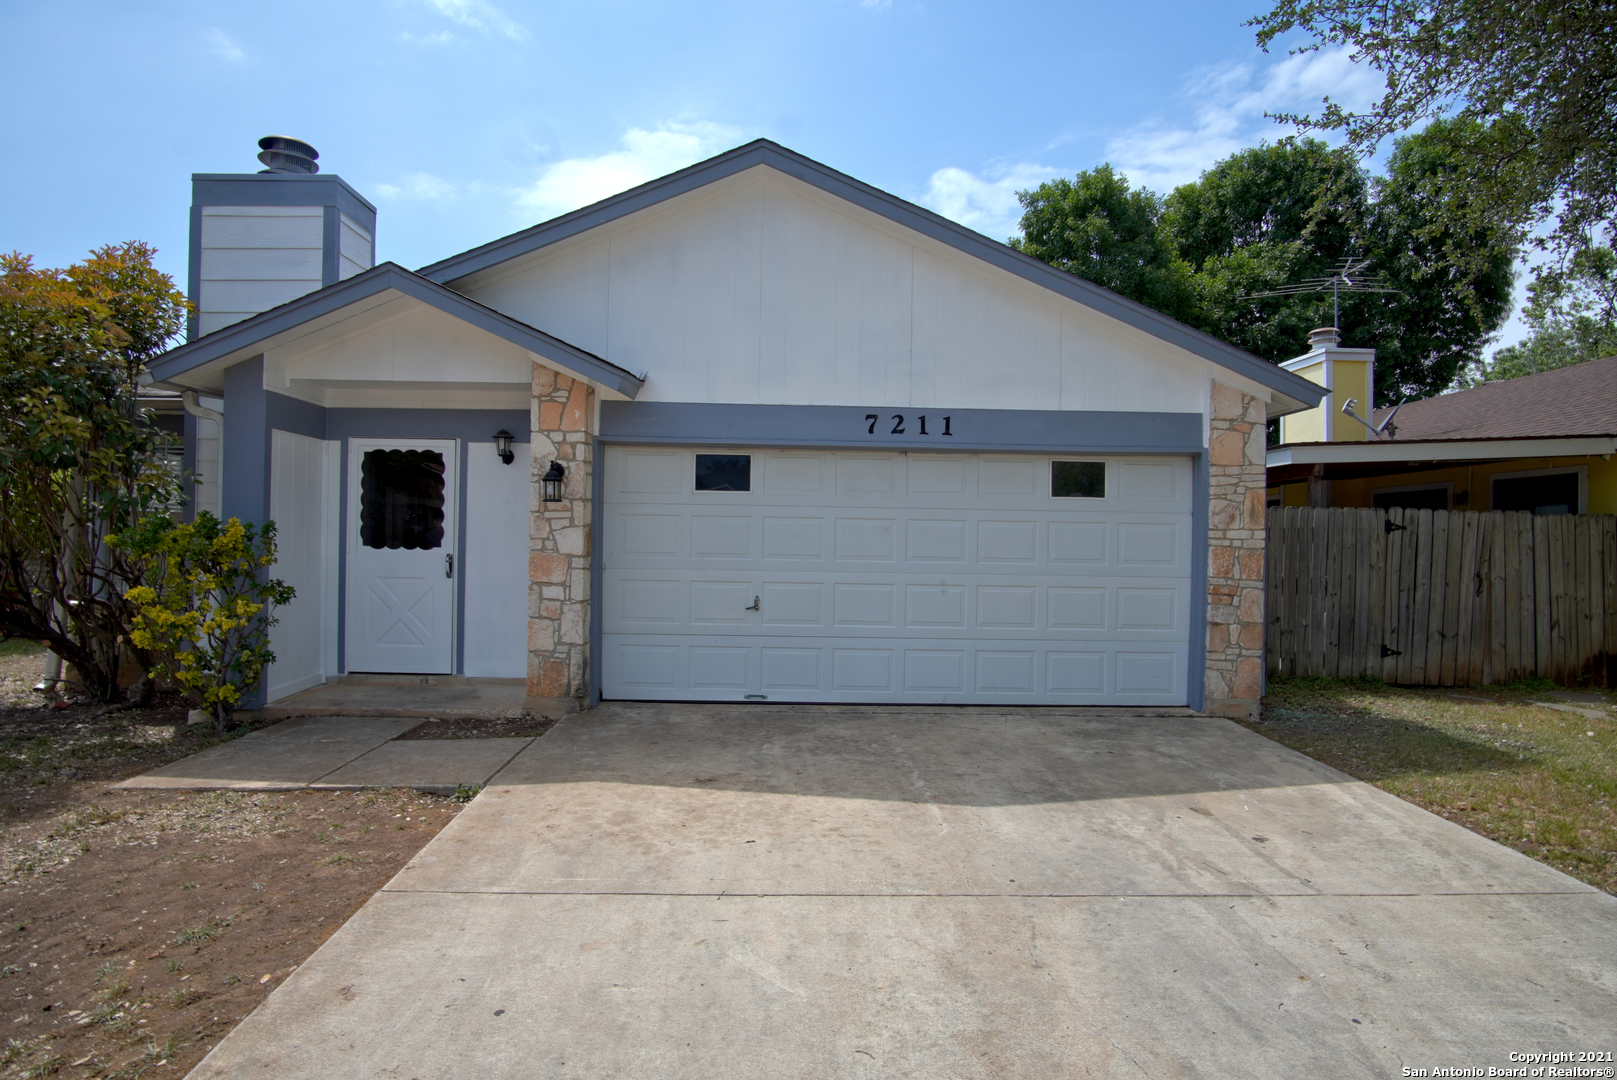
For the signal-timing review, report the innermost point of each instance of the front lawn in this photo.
(1495, 759)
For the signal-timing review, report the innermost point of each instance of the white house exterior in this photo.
(816, 444)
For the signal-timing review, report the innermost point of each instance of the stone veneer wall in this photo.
(559, 545)
(1235, 535)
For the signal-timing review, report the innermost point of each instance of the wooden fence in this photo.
(1442, 598)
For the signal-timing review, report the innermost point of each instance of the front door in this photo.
(401, 555)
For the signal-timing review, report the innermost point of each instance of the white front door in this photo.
(401, 530)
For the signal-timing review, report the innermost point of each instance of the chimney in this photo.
(1326, 337)
(259, 240)
(1345, 374)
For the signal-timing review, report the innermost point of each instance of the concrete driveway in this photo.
(657, 891)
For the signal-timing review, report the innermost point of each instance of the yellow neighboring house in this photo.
(1541, 442)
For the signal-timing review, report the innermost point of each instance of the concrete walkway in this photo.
(334, 752)
(422, 697)
(713, 892)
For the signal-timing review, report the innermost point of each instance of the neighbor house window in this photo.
(723, 472)
(1414, 497)
(1543, 491)
(1078, 479)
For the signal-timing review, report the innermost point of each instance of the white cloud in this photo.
(480, 15)
(420, 186)
(442, 37)
(645, 155)
(1227, 114)
(987, 202)
(222, 44)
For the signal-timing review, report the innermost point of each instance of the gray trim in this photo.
(282, 189)
(292, 414)
(763, 152)
(193, 277)
(244, 462)
(331, 247)
(250, 333)
(840, 426)
(1196, 687)
(597, 551)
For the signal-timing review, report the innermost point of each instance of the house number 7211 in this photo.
(898, 425)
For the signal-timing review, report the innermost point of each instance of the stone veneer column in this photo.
(559, 545)
(1235, 535)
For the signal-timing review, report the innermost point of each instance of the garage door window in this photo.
(1078, 479)
(723, 472)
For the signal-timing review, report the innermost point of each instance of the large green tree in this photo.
(1276, 215)
(1571, 316)
(78, 461)
(1097, 227)
(1533, 84)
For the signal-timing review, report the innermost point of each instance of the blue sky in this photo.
(464, 120)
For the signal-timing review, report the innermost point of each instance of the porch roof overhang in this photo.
(1298, 461)
(200, 364)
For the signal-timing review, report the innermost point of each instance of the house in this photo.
(1542, 442)
(754, 431)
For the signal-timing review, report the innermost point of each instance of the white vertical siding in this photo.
(763, 290)
(208, 474)
(356, 248)
(255, 258)
(496, 563)
(298, 505)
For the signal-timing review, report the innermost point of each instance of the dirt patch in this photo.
(137, 928)
(480, 727)
(176, 913)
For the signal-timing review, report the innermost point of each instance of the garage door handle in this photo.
(449, 566)
(754, 606)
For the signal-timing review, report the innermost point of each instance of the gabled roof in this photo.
(766, 153)
(1569, 401)
(239, 339)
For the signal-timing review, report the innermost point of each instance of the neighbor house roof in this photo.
(242, 339)
(766, 153)
(1569, 401)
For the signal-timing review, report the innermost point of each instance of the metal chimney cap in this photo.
(1326, 337)
(284, 155)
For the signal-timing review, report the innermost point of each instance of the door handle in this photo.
(449, 565)
(754, 606)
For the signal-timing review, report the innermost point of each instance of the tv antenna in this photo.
(1347, 277)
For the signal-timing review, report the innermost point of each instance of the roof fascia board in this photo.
(249, 334)
(1434, 450)
(919, 219)
(277, 189)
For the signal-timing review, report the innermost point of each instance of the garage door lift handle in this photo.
(754, 606)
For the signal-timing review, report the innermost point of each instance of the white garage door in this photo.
(850, 576)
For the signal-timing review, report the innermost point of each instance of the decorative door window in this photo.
(401, 500)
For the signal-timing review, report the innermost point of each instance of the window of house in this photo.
(1414, 497)
(723, 472)
(1078, 479)
(401, 499)
(1539, 492)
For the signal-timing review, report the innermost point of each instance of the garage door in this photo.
(831, 576)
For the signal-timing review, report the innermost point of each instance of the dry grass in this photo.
(1494, 759)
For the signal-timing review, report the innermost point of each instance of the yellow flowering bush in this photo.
(207, 607)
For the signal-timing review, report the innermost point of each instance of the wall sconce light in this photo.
(502, 446)
(554, 481)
